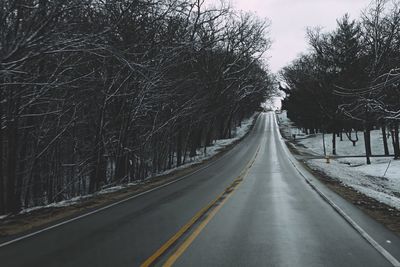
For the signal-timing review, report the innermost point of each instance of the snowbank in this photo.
(380, 180)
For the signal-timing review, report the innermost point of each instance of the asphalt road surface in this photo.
(269, 216)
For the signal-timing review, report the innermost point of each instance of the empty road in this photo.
(268, 216)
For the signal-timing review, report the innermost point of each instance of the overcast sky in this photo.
(290, 18)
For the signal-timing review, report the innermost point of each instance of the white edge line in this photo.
(116, 203)
(389, 257)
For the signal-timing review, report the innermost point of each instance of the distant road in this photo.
(269, 216)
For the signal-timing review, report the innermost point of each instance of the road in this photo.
(270, 217)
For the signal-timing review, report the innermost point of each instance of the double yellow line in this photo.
(208, 212)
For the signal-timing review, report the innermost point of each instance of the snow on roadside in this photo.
(74, 200)
(211, 151)
(217, 146)
(343, 148)
(60, 204)
(366, 179)
(380, 180)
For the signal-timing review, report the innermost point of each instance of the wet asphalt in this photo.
(276, 219)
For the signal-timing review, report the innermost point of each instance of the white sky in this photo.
(290, 18)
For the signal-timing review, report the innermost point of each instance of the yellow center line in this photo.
(185, 245)
(223, 197)
(175, 237)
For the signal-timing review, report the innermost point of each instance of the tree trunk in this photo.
(367, 142)
(333, 143)
(208, 140)
(396, 141)
(2, 185)
(179, 149)
(385, 144)
(367, 136)
(120, 168)
(12, 204)
(193, 143)
(98, 173)
(171, 156)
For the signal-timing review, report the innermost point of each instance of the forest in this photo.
(95, 93)
(349, 80)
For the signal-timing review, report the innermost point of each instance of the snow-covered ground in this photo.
(380, 180)
(75, 200)
(343, 148)
(217, 146)
(366, 179)
(211, 151)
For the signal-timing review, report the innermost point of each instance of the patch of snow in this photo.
(4, 216)
(64, 203)
(379, 180)
(200, 157)
(216, 147)
(314, 142)
(367, 179)
(111, 189)
(345, 147)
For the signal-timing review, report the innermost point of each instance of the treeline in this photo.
(102, 92)
(349, 79)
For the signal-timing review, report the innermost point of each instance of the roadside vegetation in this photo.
(349, 81)
(100, 93)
